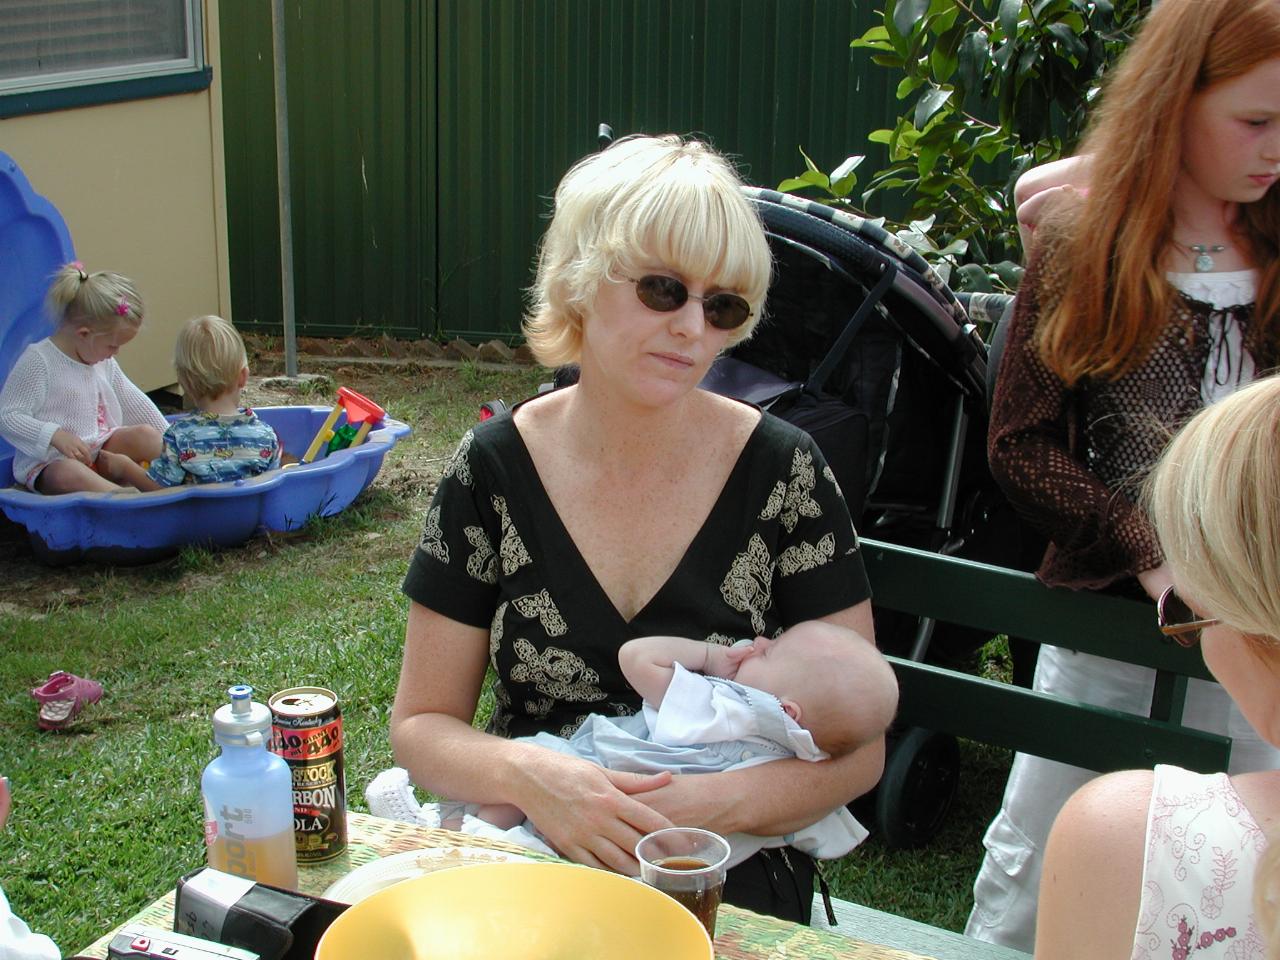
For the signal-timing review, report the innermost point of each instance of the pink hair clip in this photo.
(122, 308)
(80, 269)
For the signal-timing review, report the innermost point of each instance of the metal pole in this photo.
(282, 184)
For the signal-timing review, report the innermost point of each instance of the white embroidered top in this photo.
(47, 390)
(1202, 848)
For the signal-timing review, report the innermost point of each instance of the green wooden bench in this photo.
(890, 930)
(1014, 603)
(1011, 602)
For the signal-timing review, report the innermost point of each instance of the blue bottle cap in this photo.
(242, 722)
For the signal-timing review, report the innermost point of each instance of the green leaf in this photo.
(930, 102)
(990, 149)
(972, 61)
(908, 14)
(1004, 52)
(927, 160)
(1071, 43)
(844, 185)
(908, 86)
(1009, 12)
(880, 136)
(845, 169)
(1009, 273)
(943, 16)
(816, 178)
(943, 131)
(1030, 118)
(809, 164)
(792, 184)
(974, 279)
(1049, 9)
(1028, 59)
(877, 38)
(890, 60)
(943, 58)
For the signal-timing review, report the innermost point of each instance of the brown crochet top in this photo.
(1072, 461)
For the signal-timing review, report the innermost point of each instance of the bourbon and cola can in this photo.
(307, 731)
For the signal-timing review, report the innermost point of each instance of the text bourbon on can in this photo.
(307, 732)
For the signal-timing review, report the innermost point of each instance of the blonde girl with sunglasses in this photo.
(1165, 863)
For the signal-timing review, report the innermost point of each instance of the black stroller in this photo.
(865, 347)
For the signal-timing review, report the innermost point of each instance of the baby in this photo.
(220, 440)
(814, 692)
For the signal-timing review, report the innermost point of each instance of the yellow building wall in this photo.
(142, 189)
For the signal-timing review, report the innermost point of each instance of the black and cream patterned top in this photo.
(777, 548)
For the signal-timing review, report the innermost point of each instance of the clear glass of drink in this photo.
(688, 865)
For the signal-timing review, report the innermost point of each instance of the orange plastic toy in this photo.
(359, 409)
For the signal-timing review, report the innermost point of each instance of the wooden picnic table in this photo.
(740, 934)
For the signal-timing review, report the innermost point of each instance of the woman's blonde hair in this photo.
(1103, 327)
(1214, 498)
(643, 201)
(99, 301)
(208, 357)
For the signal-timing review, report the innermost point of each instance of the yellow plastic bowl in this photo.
(516, 911)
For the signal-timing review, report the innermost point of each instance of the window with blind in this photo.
(62, 53)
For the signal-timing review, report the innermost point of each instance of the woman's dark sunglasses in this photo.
(724, 311)
(1178, 621)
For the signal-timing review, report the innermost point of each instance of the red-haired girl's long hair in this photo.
(1115, 296)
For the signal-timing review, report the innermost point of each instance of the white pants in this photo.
(1005, 892)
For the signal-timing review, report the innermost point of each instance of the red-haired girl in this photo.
(1151, 295)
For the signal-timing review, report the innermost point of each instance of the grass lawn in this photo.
(107, 814)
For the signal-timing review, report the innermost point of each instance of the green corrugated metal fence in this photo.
(427, 135)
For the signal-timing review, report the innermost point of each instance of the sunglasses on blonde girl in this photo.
(1178, 621)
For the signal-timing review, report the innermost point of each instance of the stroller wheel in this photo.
(921, 776)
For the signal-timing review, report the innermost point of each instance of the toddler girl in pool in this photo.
(75, 420)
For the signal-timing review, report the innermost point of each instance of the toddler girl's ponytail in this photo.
(98, 300)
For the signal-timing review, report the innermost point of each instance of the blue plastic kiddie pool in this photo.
(137, 527)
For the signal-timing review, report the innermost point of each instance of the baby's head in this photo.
(832, 681)
(100, 311)
(210, 359)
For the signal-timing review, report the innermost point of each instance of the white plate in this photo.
(387, 871)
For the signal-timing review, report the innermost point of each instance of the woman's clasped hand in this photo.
(591, 814)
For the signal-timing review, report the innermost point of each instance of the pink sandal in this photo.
(62, 697)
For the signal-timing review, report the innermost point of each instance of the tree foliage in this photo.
(990, 88)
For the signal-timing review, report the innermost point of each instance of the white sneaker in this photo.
(390, 795)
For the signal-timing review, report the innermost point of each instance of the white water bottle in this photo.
(248, 797)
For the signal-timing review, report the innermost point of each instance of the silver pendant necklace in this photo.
(1204, 255)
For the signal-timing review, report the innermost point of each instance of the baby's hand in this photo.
(70, 446)
(723, 662)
